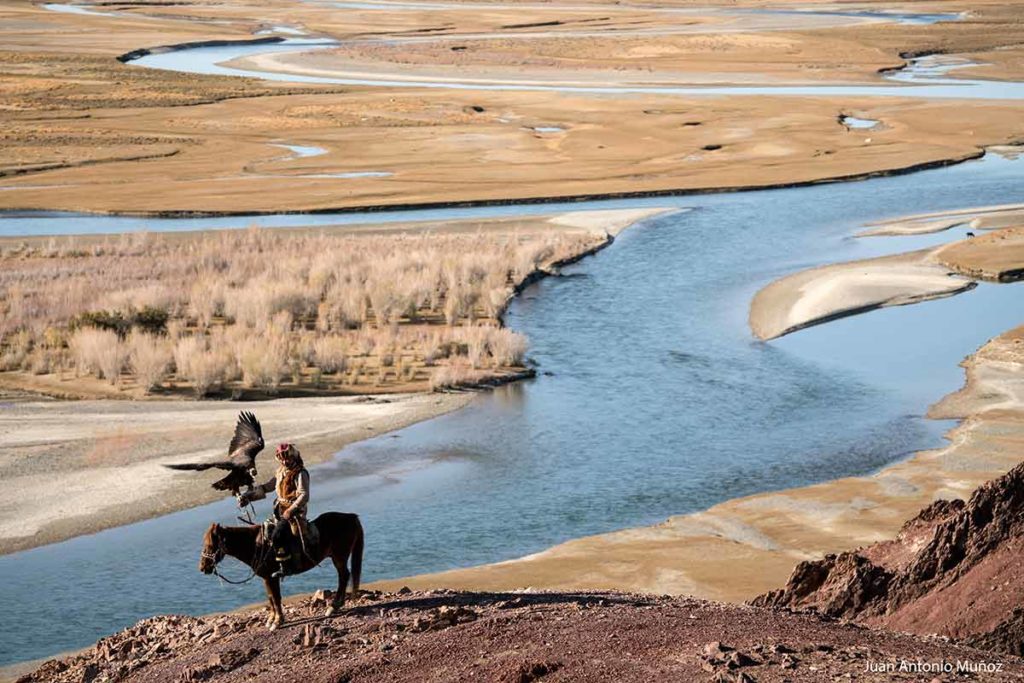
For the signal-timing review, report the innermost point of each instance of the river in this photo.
(652, 400)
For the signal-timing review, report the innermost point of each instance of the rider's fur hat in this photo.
(288, 454)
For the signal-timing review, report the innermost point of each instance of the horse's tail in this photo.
(357, 558)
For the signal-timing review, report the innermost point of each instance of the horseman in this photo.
(291, 483)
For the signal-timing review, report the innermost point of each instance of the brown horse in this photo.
(341, 535)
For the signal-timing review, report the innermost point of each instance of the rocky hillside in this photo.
(513, 637)
(956, 570)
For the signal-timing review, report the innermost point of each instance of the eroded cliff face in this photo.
(954, 570)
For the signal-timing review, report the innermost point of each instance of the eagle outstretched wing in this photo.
(225, 465)
(247, 441)
(241, 463)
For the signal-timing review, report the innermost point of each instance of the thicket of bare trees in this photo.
(264, 308)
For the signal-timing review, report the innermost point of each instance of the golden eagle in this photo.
(241, 462)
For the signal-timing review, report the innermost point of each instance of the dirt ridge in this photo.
(953, 553)
(509, 637)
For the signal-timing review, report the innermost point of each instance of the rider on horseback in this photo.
(291, 483)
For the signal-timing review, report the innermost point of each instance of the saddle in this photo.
(304, 538)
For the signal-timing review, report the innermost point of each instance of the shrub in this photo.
(111, 321)
(149, 319)
(455, 374)
(508, 348)
(16, 353)
(264, 359)
(330, 354)
(150, 356)
(98, 352)
(203, 367)
(476, 344)
(43, 361)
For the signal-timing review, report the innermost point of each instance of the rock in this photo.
(840, 586)
(531, 671)
(321, 598)
(404, 590)
(715, 650)
(1007, 636)
(738, 660)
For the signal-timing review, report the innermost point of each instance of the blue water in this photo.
(910, 18)
(302, 151)
(924, 77)
(856, 123)
(658, 403)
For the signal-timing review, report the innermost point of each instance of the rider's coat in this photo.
(292, 488)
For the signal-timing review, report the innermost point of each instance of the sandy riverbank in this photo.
(996, 256)
(976, 218)
(819, 295)
(744, 547)
(816, 296)
(80, 134)
(72, 468)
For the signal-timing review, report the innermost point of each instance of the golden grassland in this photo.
(269, 311)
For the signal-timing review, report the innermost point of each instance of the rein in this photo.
(250, 512)
(258, 561)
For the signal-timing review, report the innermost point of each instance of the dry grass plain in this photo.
(75, 467)
(253, 312)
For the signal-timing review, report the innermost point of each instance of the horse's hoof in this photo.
(330, 611)
(272, 626)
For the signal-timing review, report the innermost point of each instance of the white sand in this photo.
(821, 294)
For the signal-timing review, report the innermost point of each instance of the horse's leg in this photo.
(272, 606)
(340, 559)
(274, 584)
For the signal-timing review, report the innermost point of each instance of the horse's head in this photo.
(213, 549)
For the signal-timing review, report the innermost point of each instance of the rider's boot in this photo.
(283, 557)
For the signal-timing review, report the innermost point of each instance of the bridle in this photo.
(218, 554)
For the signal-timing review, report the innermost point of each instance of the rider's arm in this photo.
(302, 496)
(260, 491)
